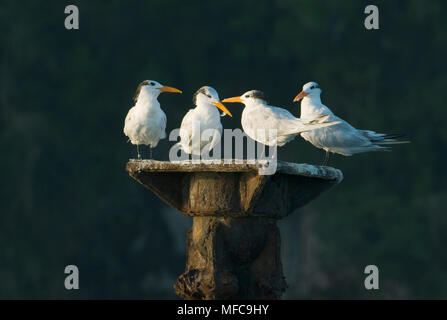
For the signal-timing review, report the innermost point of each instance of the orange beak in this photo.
(222, 107)
(169, 89)
(300, 96)
(234, 99)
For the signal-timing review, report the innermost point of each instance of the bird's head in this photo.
(310, 89)
(249, 97)
(208, 95)
(153, 88)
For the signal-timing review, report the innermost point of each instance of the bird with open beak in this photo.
(145, 122)
(205, 117)
(258, 117)
(343, 138)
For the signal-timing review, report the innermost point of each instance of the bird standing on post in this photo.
(259, 116)
(204, 116)
(342, 138)
(145, 122)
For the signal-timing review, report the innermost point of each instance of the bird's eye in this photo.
(209, 96)
(247, 96)
(152, 83)
(312, 87)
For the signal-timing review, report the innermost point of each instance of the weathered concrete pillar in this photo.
(234, 245)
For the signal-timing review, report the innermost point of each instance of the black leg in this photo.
(138, 152)
(326, 158)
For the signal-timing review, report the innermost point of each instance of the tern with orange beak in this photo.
(343, 138)
(145, 122)
(201, 129)
(259, 120)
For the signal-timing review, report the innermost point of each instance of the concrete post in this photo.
(234, 245)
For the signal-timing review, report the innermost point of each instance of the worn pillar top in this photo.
(233, 189)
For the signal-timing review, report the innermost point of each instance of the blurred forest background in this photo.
(66, 197)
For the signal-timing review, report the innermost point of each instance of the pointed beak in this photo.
(234, 99)
(300, 96)
(222, 107)
(169, 89)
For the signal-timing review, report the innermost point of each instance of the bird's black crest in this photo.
(258, 95)
(137, 93)
(194, 97)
